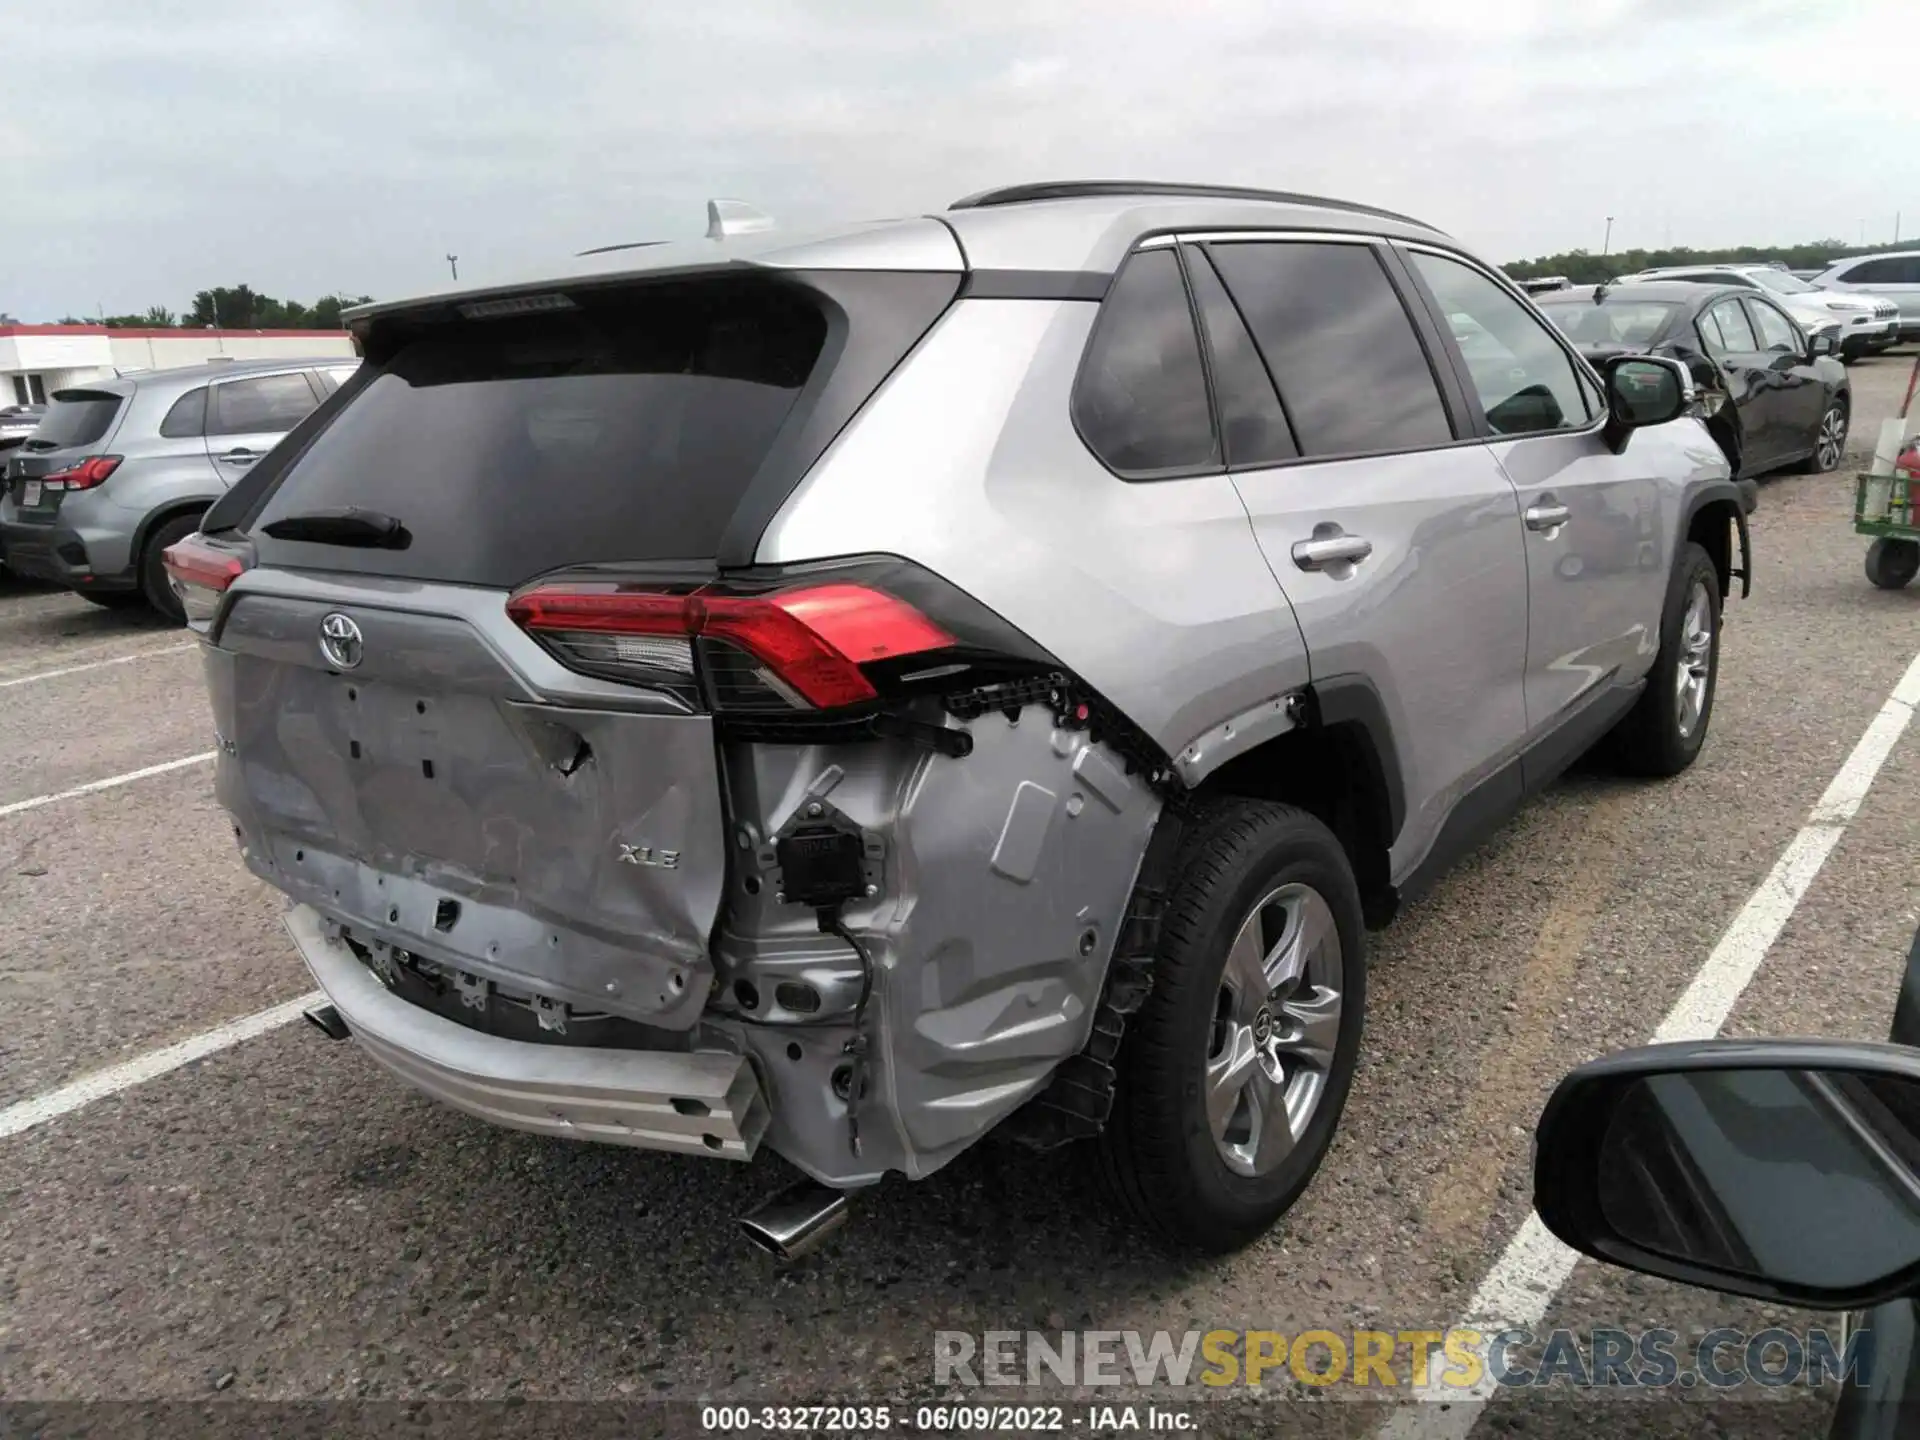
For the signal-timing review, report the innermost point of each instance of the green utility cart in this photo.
(1883, 508)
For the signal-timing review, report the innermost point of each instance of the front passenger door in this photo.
(1596, 566)
(247, 415)
(1798, 396)
(1728, 336)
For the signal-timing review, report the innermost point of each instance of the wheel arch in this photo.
(1339, 763)
(1705, 522)
(160, 515)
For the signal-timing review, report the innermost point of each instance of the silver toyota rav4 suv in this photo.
(978, 672)
(119, 469)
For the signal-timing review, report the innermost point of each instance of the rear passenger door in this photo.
(1595, 533)
(247, 415)
(1399, 546)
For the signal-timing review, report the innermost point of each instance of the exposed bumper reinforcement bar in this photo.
(701, 1103)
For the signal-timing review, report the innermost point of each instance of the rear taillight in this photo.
(200, 574)
(794, 648)
(88, 473)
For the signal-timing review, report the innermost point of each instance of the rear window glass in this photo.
(187, 416)
(1339, 345)
(624, 430)
(76, 417)
(265, 405)
(1623, 322)
(1141, 398)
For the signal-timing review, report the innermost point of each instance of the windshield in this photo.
(1781, 283)
(1618, 322)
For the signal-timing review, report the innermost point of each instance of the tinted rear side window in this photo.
(75, 418)
(188, 416)
(1888, 270)
(625, 429)
(268, 404)
(1339, 344)
(1251, 420)
(1141, 399)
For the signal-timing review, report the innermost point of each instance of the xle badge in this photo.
(648, 855)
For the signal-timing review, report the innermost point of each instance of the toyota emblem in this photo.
(340, 641)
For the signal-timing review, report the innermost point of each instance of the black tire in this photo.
(1651, 738)
(112, 599)
(1158, 1153)
(1825, 460)
(1892, 564)
(153, 573)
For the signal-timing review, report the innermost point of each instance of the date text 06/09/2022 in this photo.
(940, 1419)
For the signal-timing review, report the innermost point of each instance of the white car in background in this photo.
(1867, 323)
(1894, 276)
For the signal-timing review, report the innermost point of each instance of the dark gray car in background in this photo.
(119, 469)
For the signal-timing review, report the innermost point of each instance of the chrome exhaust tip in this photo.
(327, 1021)
(794, 1222)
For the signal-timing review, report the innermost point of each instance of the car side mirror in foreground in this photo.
(1643, 390)
(1822, 342)
(1784, 1170)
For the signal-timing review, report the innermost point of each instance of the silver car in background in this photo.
(119, 469)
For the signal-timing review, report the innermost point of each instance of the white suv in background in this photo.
(1894, 276)
(1867, 324)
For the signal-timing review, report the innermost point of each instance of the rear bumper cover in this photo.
(56, 553)
(700, 1103)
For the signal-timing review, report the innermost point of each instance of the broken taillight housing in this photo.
(200, 573)
(779, 643)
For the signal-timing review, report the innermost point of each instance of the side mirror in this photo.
(1823, 342)
(1784, 1170)
(1643, 390)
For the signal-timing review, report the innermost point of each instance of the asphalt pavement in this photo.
(279, 1221)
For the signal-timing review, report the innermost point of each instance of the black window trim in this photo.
(1455, 401)
(1186, 251)
(1583, 368)
(1177, 472)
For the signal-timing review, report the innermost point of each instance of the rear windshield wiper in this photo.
(369, 529)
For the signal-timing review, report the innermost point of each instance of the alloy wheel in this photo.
(1276, 1026)
(1832, 440)
(1695, 671)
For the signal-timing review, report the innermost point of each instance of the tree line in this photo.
(239, 307)
(1583, 267)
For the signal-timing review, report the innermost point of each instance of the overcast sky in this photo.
(152, 149)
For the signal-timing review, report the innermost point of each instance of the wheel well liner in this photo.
(1340, 765)
(160, 515)
(1706, 525)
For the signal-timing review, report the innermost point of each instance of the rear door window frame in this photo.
(215, 387)
(1441, 363)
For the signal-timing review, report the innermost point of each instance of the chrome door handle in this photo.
(1547, 517)
(1324, 550)
(238, 457)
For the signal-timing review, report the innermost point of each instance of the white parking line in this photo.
(94, 665)
(142, 1068)
(1530, 1271)
(16, 806)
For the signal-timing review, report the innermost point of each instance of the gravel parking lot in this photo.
(278, 1221)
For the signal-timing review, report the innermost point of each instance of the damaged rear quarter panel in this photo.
(1005, 878)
